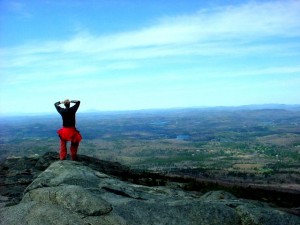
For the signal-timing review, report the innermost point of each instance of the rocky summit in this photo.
(95, 192)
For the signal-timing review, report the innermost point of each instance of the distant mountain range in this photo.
(264, 106)
(226, 108)
(294, 107)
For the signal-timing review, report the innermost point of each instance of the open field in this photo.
(260, 146)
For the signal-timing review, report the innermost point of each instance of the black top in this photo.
(67, 114)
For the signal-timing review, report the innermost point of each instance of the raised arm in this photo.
(56, 104)
(76, 106)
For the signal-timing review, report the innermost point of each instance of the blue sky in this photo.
(129, 54)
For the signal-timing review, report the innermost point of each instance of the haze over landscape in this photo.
(127, 55)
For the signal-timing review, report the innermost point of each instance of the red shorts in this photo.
(69, 134)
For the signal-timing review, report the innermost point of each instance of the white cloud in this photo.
(229, 26)
(219, 31)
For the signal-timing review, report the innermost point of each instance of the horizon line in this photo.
(248, 106)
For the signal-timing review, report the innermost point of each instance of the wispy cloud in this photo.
(237, 29)
(241, 24)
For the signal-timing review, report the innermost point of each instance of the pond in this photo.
(183, 137)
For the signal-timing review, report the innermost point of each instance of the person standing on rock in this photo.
(68, 132)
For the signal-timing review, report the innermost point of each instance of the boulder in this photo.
(177, 212)
(37, 213)
(65, 173)
(74, 198)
